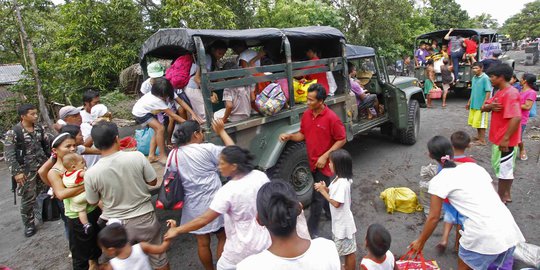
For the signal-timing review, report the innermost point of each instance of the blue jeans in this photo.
(455, 62)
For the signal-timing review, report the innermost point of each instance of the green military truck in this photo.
(488, 39)
(260, 134)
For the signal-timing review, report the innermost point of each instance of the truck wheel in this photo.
(293, 167)
(408, 135)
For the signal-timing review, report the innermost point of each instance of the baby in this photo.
(73, 177)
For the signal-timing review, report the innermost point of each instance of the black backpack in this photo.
(171, 193)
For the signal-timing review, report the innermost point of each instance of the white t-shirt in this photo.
(137, 260)
(86, 130)
(387, 264)
(149, 104)
(321, 255)
(241, 98)
(489, 228)
(86, 117)
(247, 55)
(146, 86)
(192, 71)
(342, 218)
(236, 201)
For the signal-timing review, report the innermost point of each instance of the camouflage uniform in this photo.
(34, 157)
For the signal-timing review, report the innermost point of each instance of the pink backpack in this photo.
(178, 73)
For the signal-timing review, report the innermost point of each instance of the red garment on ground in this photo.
(320, 77)
(321, 132)
(472, 47)
(509, 98)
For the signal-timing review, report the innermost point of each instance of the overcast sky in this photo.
(499, 9)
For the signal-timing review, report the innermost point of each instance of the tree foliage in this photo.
(484, 20)
(524, 24)
(86, 43)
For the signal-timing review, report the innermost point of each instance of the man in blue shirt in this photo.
(480, 92)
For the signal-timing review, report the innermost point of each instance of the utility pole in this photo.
(42, 105)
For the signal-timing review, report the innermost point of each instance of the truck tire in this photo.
(408, 136)
(293, 167)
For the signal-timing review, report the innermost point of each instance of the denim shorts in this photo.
(451, 215)
(144, 120)
(482, 261)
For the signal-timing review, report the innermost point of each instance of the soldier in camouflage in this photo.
(24, 158)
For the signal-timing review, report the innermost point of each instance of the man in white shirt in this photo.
(90, 99)
(119, 179)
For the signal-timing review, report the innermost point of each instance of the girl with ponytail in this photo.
(528, 99)
(491, 233)
(236, 202)
(338, 194)
(278, 209)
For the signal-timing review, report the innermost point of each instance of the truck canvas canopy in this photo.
(355, 51)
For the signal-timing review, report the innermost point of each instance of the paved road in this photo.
(379, 163)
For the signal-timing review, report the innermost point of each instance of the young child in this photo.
(237, 101)
(447, 79)
(471, 49)
(338, 194)
(113, 240)
(429, 83)
(148, 107)
(74, 177)
(379, 256)
(460, 142)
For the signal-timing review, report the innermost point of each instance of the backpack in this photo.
(271, 100)
(50, 211)
(178, 73)
(171, 193)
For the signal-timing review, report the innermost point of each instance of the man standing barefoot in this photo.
(504, 132)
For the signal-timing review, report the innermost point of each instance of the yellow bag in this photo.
(301, 89)
(400, 199)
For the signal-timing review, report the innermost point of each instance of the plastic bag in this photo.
(301, 90)
(408, 262)
(400, 199)
(427, 173)
(143, 138)
(332, 86)
(528, 254)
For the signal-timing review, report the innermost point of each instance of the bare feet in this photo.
(441, 247)
(523, 155)
(479, 143)
(153, 159)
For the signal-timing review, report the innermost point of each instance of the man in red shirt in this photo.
(323, 132)
(321, 78)
(504, 132)
(471, 48)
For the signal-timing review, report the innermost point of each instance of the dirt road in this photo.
(379, 163)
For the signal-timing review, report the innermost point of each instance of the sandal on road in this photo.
(523, 156)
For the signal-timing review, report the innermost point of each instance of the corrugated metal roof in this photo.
(11, 74)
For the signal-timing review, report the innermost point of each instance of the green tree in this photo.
(204, 14)
(96, 41)
(524, 24)
(448, 14)
(485, 20)
(294, 13)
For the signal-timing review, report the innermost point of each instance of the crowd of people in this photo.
(110, 220)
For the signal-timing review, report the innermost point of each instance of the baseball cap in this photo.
(67, 111)
(155, 70)
(98, 111)
(497, 52)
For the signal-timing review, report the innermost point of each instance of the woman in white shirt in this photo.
(490, 232)
(278, 208)
(236, 202)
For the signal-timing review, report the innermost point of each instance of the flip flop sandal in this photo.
(524, 157)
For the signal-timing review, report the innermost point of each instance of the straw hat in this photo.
(364, 77)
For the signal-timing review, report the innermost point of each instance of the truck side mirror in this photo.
(399, 66)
